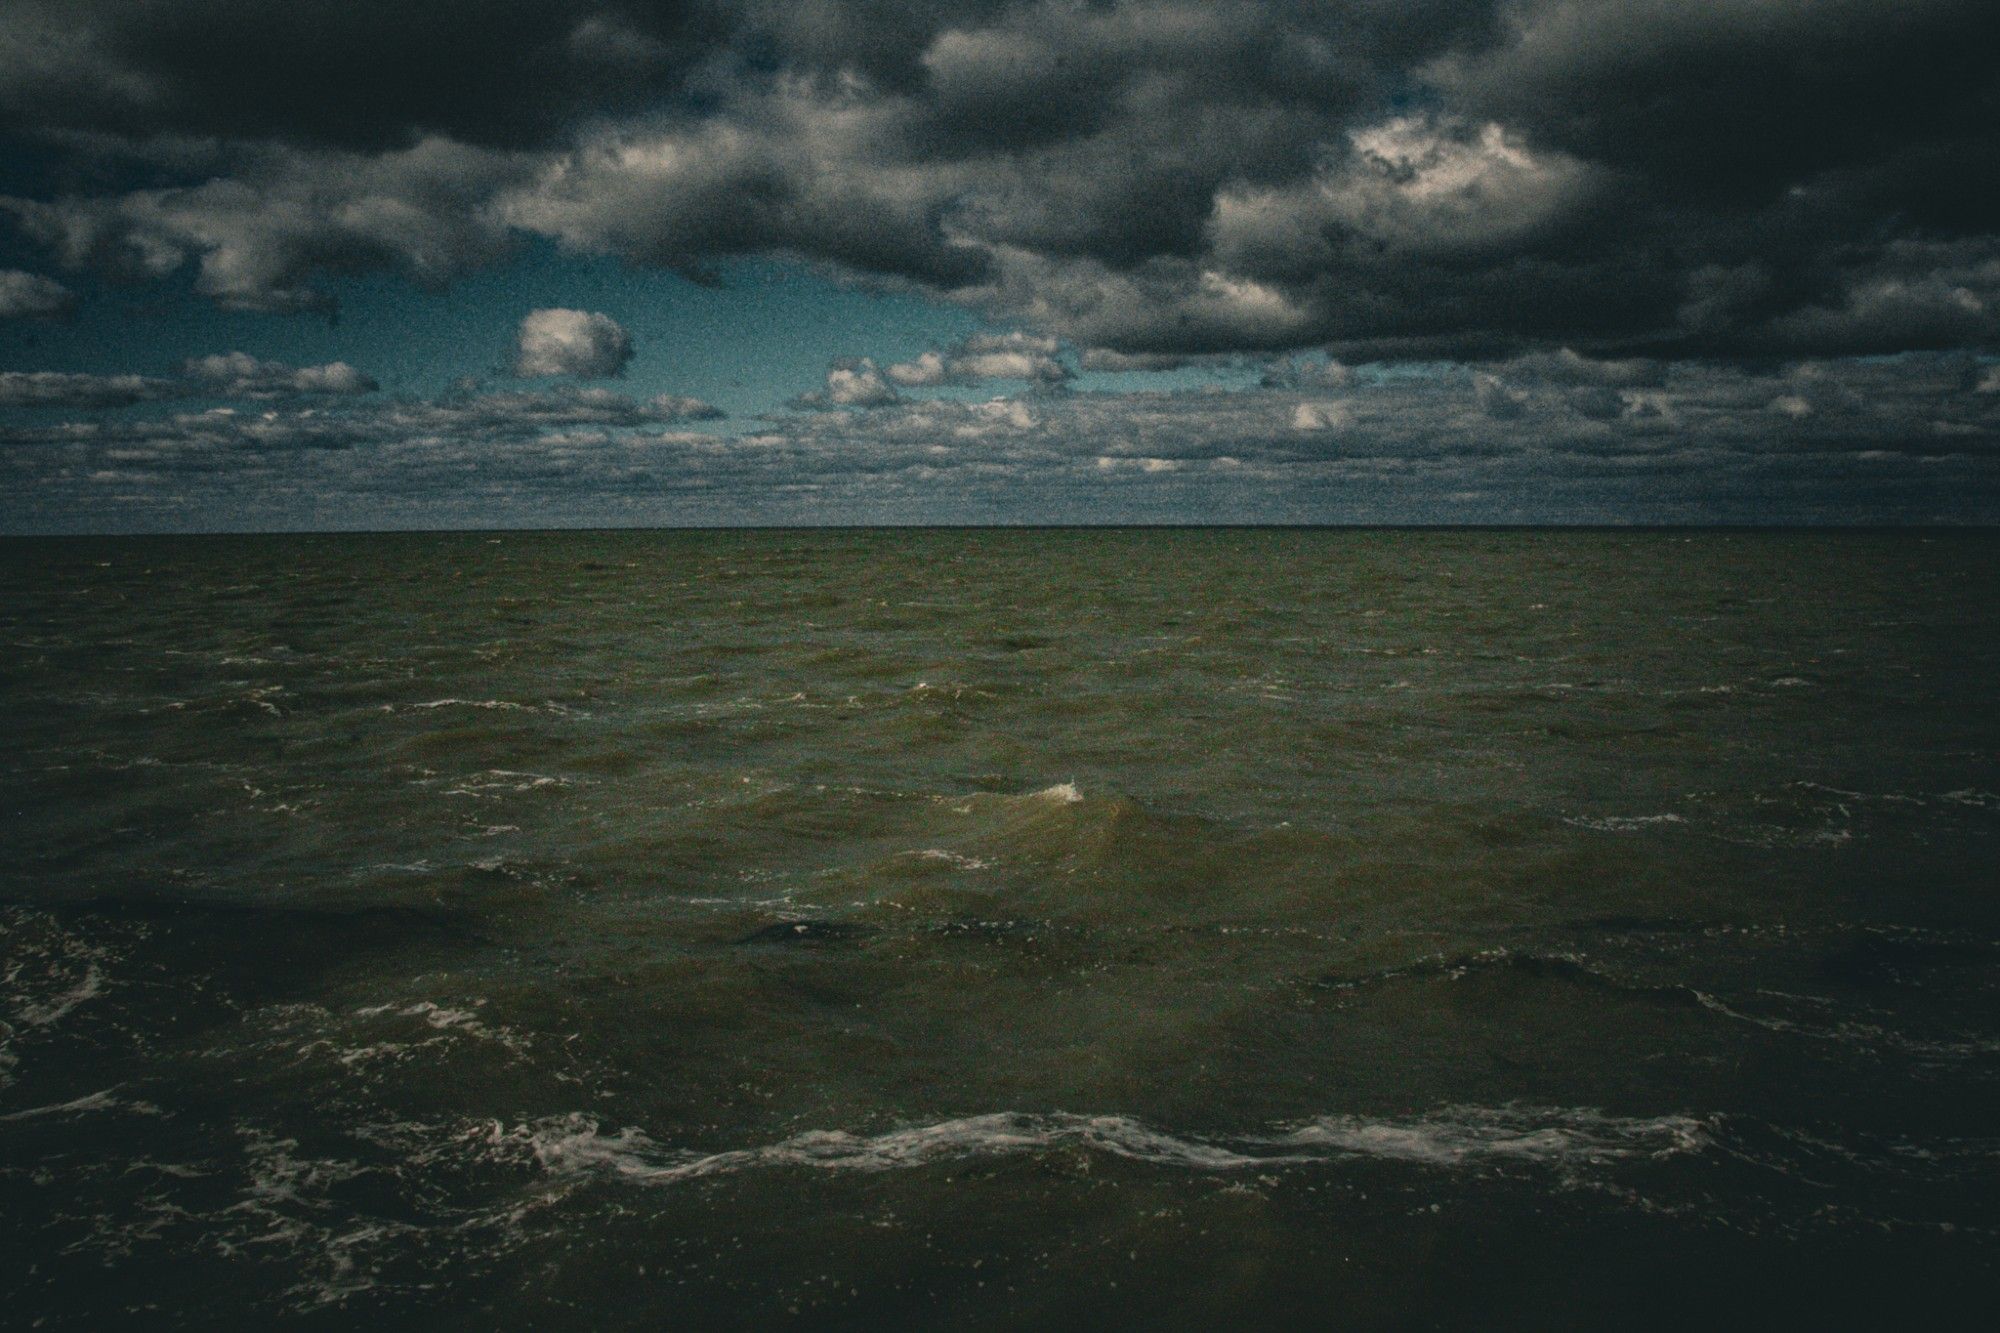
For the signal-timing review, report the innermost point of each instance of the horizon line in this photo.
(470, 531)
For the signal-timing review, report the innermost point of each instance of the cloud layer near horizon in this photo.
(223, 375)
(1152, 179)
(1555, 439)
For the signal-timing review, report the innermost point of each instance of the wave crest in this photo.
(1450, 1137)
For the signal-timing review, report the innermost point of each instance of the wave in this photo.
(91, 1102)
(47, 973)
(481, 785)
(490, 705)
(442, 1018)
(1855, 1032)
(956, 860)
(1565, 967)
(1621, 823)
(1452, 1137)
(1056, 794)
(1872, 1038)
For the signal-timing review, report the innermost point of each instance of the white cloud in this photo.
(852, 383)
(858, 386)
(1298, 372)
(47, 388)
(1567, 367)
(1409, 440)
(1321, 416)
(238, 374)
(1111, 361)
(1010, 366)
(224, 375)
(674, 407)
(579, 343)
(985, 356)
(928, 368)
(1417, 184)
(31, 294)
(1499, 399)
(1009, 412)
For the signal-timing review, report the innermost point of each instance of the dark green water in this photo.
(985, 929)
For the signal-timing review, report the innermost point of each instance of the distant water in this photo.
(1000, 929)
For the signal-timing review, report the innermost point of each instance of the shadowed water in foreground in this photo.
(982, 928)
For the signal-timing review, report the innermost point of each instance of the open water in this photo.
(864, 929)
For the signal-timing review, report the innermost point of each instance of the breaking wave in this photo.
(1458, 1136)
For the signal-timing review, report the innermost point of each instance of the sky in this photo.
(351, 264)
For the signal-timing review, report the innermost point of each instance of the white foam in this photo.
(1451, 1137)
(506, 779)
(956, 859)
(96, 1101)
(1460, 1135)
(358, 1056)
(506, 705)
(1862, 1036)
(445, 1019)
(1621, 823)
(51, 1011)
(1061, 793)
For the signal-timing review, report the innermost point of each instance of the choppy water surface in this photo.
(999, 929)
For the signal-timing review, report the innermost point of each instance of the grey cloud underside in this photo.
(1639, 178)
(985, 356)
(24, 295)
(223, 375)
(1916, 439)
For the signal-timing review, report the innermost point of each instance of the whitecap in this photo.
(97, 1101)
(1459, 1135)
(49, 1012)
(446, 1019)
(506, 705)
(1871, 1038)
(955, 859)
(1456, 1136)
(1621, 823)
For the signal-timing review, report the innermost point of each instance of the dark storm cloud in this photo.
(363, 74)
(273, 217)
(1159, 179)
